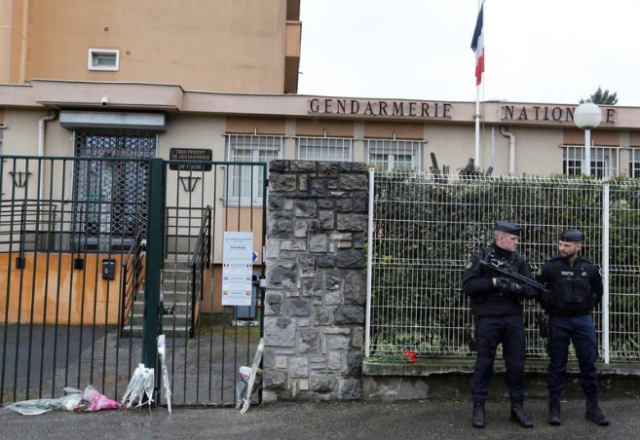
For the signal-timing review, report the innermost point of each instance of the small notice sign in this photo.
(237, 268)
(190, 154)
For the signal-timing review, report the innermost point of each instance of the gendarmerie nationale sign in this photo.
(190, 154)
(547, 113)
(376, 107)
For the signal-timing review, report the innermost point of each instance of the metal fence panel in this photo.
(62, 276)
(425, 229)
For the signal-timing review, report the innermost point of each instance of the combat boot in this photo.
(519, 415)
(594, 414)
(477, 419)
(554, 412)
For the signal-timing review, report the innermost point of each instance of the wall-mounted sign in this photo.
(237, 268)
(547, 113)
(376, 107)
(190, 154)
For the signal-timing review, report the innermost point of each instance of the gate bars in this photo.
(207, 342)
(424, 228)
(99, 255)
(60, 256)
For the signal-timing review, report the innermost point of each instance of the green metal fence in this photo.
(99, 255)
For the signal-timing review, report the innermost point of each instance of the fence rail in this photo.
(425, 228)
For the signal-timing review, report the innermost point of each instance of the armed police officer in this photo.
(497, 303)
(575, 286)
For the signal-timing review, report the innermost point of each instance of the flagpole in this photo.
(477, 116)
(477, 157)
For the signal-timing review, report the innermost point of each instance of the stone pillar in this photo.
(316, 280)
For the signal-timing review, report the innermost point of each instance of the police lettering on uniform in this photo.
(575, 286)
(497, 303)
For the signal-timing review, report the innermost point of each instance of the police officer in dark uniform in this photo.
(497, 303)
(576, 288)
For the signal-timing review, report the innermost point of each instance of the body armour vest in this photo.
(496, 303)
(571, 287)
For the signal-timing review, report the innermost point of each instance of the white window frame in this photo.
(94, 53)
(334, 149)
(391, 148)
(634, 163)
(255, 144)
(605, 161)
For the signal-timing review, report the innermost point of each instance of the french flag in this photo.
(477, 44)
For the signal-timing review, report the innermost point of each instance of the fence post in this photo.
(155, 260)
(605, 271)
(367, 330)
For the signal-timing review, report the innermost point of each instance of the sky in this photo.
(546, 51)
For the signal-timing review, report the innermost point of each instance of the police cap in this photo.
(508, 227)
(571, 235)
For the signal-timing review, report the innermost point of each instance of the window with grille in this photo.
(634, 163)
(245, 182)
(111, 196)
(324, 149)
(394, 155)
(604, 161)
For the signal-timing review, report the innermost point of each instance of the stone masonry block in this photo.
(279, 225)
(305, 208)
(352, 222)
(350, 389)
(300, 228)
(318, 243)
(299, 367)
(282, 183)
(351, 258)
(281, 274)
(279, 332)
(346, 315)
(353, 182)
(297, 308)
(322, 383)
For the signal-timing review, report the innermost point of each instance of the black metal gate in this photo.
(99, 255)
(207, 341)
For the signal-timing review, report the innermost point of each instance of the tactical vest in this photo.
(496, 303)
(572, 289)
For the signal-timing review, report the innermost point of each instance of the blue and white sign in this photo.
(237, 266)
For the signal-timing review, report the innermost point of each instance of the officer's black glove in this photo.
(505, 285)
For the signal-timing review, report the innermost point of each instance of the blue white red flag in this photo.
(477, 44)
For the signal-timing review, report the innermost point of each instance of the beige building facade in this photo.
(221, 77)
(517, 138)
(223, 45)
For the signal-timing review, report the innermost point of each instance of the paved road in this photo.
(333, 421)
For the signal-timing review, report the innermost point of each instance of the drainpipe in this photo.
(512, 149)
(41, 134)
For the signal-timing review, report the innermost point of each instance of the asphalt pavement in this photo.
(332, 421)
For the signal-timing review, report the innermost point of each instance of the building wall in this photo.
(537, 148)
(217, 45)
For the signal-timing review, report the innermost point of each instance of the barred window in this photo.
(394, 155)
(246, 182)
(634, 163)
(110, 196)
(324, 149)
(604, 161)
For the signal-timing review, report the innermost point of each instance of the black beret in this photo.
(508, 227)
(571, 235)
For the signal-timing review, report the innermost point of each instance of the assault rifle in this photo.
(497, 266)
